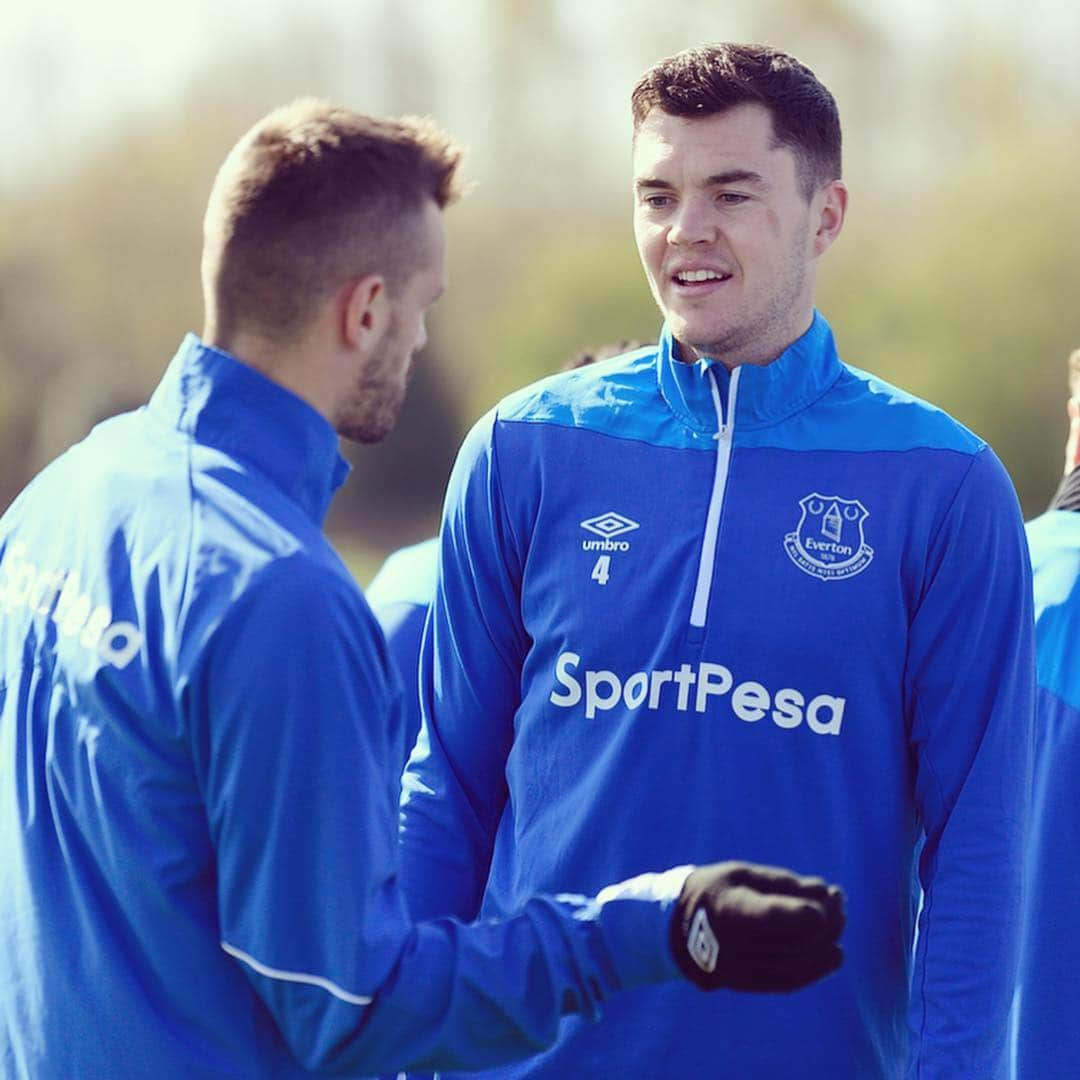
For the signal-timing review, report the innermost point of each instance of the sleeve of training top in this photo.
(454, 786)
(289, 734)
(402, 624)
(970, 693)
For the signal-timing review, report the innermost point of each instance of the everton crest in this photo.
(828, 542)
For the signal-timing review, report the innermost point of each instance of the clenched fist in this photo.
(748, 927)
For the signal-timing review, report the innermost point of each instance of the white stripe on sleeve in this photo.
(295, 976)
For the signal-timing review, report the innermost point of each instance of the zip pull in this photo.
(725, 426)
(725, 420)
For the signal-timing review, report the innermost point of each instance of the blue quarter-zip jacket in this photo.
(400, 595)
(1048, 1037)
(781, 616)
(199, 748)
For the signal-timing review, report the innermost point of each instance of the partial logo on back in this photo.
(829, 542)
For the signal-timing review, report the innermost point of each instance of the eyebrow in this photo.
(732, 176)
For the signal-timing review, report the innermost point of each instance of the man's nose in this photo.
(693, 223)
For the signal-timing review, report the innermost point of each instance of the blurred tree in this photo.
(576, 290)
(963, 287)
(99, 280)
(956, 277)
(35, 333)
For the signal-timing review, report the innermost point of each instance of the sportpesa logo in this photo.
(57, 594)
(687, 688)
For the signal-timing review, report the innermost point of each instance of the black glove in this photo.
(748, 927)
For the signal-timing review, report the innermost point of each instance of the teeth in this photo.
(699, 275)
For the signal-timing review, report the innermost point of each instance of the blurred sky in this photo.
(73, 70)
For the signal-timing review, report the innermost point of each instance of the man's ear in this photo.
(365, 310)
(830, 205)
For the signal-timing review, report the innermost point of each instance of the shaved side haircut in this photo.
(313, 196)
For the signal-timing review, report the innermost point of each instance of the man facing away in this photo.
(1047, 1038)
(733, 592)
(199, 741)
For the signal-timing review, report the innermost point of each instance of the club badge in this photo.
(828, 542)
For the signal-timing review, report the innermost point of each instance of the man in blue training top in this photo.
(199, 735)
(733, 591)
(400, 595)
(1048, 998)
(401, 592)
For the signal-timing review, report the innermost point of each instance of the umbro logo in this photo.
(701, 942)
(609, 525)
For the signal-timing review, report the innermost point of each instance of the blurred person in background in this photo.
(1048, 994)
(401, 592)
(733, 591)
(199, 733)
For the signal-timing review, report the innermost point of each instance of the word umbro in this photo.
(692, 687)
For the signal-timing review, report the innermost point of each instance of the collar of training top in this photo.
(767, 393)
(1067, 496)
(226, 404)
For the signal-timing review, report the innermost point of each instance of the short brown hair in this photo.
(313, 195)
(714, 78)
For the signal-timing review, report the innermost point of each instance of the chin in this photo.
(704, 340)
(372, 423)
(693, 327)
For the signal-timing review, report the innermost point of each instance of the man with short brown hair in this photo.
(311, 198)
(199, 735)
(734, 590)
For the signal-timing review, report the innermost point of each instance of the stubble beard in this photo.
(378, 394)
(762, 336)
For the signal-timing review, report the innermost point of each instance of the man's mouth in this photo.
(704, 280)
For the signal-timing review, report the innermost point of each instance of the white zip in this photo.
(723, 437)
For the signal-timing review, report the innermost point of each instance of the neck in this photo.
(733, 354)
(295, 366)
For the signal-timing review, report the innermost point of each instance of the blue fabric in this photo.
(853, 410)
(1047, 1035)
(198, 792)
(858, 707)
(400, 595)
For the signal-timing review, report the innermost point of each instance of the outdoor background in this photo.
(957, 276)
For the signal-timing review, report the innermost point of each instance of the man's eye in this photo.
(657, 202)
(731, 198)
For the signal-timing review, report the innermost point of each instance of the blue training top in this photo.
(199, 788)
(1048, 1037)
(781, 615)
(400, 595)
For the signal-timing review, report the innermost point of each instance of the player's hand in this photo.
(748, 927)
